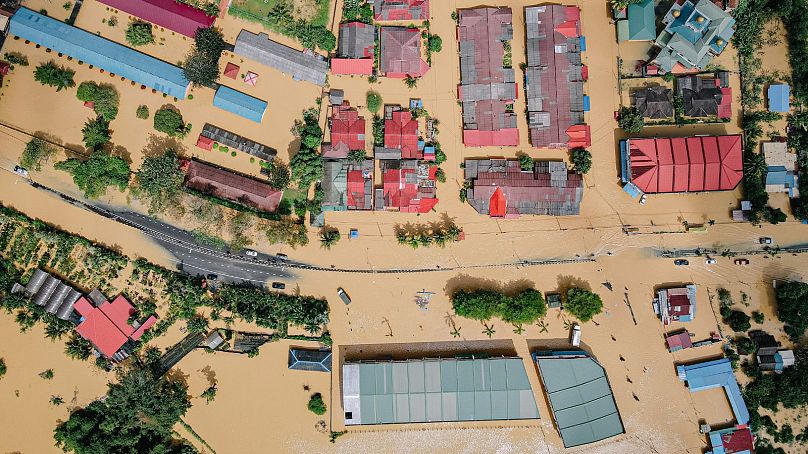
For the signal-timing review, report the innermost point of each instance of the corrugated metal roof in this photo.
(300, 66)
(712, 374)
(171, 14)
(238, 142)
(310, 360)
(233, 186)
(239, 103)
(103, 53)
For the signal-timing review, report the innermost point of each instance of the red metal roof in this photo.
(170, 14)
(107, 327)
(691, 164)
(232, 186)
(401, 132)
(678, 305)
(204, 143)
(401, 52)
(725, 108)
(347, 129)
(680, 340)
(231, 70)
(142, 329)
(498, 204)
(740, 440)
(358, 66)
(402, 191)
(356, 190)
(402, 10)
(503, 138)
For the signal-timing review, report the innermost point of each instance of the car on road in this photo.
(282, 256)
(212, 277)
(643, 199)
(344, 296)
(765, 240)
(21, 171)
(250, 253)
(278, 285)
(681, 262)
(709, 261)
(741, 261)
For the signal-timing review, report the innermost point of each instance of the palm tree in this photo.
(440, 237)
(54, 75)
(542, 325)
(411, 81)
(329, 237)
(413, 241)
(755, 164)
(519, 329)
(401, 237)
(489, 330)
(424, 239)
(453, 232)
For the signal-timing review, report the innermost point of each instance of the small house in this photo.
(677, 304)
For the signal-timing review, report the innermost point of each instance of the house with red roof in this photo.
(355, 49)
(500, 188)
(347, 132)
(487, 88)
(408, 185)
(401, 137)
(676, 304)
(107, 326)
(401, 9)
(232, 186)
(400, 54)
(347, 184)
(732, 440)
(682, 164)
(173, 15)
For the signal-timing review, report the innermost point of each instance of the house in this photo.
(777, 361)
(107, 325)
(228, 185)
(307, 66)
(170, 14)
(401, 9)
(347, 132)
(712, 374)
(732, 440)
(408, 185)
(97, 51)
(581, 398)
(779, 95)
(694, 33)
(215, 135)
(704, 96)
(400, 54)
(310, 360)
(500, 188)
(781, 169)
(348, 185)
(682, 164)
(639, 24)
(355, 53)
(554, 77)
(436, 390)
(487, 88)
(401, 139)
(239, 103)
(654, 102)
(678, 341)
(214, 340)
(676, 304)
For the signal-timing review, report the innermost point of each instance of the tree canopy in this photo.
(273, 310)
(307, 165)
(36, 151)
(583, 304)
(202, 65)
(526, 306)
(54, 75)
(96, 133)
(581, 160)
(792, 307)
(160, 180)
(630, 120)
(373, 101)
(139, 33)
(103, 96)
(170, 121)
(97, 173)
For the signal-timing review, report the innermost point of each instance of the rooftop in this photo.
(171, 14)
(233, 140)
(677, 304)
(778, 95)
(300, 65)
(640, 24)
(401, 133)
(401, 9)
(693, 34)
(310, 360)
(356, 40)
(348, 185)
(347, 131)
(107, 326)
(408, 186)
(704, 97)
(714, 374)
(239, 103)
(401, 53)
(654, 102)
(232, 186)
(733, 440)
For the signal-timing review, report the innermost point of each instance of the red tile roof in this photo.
(232, 186)
(402, 191)
(401, 132)
(358, 66)
(231, 70)
(502, 138)
(691, 164)
(402, 10)
(347, 129)
(170, 14)
(107, 327)
(401, 52)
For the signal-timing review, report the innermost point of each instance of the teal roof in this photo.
(433, 390)
(698, 31)
(97, 51)
(641, 21)
(239, 103)
(580, 397)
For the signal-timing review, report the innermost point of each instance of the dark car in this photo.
(344, 296)
(279, 285)
(681, 262)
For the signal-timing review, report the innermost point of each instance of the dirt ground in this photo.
(260, 406)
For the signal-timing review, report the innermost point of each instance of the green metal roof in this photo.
(642, 21)
(442, 389)
(580, 397)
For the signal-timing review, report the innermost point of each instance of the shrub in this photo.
(142, 112)
(745, 345)
(440, 175)
(583, 304)
(758, 317)
(279, 176)
(3, 368)
(54, 75)
(169, 121)
(104, 96)
(737, 320)
(36, 151)
(526, 306)
(139, 33)
(316, 404)
(434, 43)
(373, 101)
(16, 58)
(581, 160)
(630, 120)
(233, 153)
(525, 162)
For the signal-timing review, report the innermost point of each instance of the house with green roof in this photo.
(694, 33)
(640, 23)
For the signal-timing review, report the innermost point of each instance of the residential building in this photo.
(581, 399)
(306, 65)
(779, 95)
(500, 188)
(310, 360)
(408, 185)
(781, 169)
(676, 304)
(639, 23)
(487, 86)
(776, 361)
(436, 390)
(97, 51)
(682, 164)
(240, 103)
(401, 137)
(704, 96)
(215, 135)
(654, 102)
(170, 14)
(347, 132)
(732, 440)
(712, 374)
(348, 185)
(107, 325)
(555, 76)
(695, 32)
(355, 53)
(228, 185)
(401, 9)
(400, 54)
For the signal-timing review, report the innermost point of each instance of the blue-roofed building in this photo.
(781, 169)
(733, 440)
(640, 23)
(779, 97)
(240, 104)
(311, 360)
(97, 51)
(714, 374)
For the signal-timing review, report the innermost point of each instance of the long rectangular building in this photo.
(300, 65)
(232, 186)
(436, 390)
(97, 51)
(554, 77)
(171, 14)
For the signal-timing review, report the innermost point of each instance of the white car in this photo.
(21, 171)
(643, 199)
(709, 261)
(250, 253)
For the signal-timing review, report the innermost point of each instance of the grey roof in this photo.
(580, 397)
(654, 102)
(214, 340)
(335, 184)
(238, 142)
(700, 96)
(41, 298)
(96, 297)
(51, 293)
(311, 360)
(354, 38)
(436, 389)
(335, 96)
(301, 66)
(36, 281)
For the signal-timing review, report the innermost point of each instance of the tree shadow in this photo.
(177, 375)
(293, 148)
(74, 150)
(157, 145)
(466, 282)
(567, 282)
(121, 152)
(210, 375)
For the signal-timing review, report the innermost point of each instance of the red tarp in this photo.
(498, 204)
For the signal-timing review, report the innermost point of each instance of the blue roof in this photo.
(625, 174)
(642, 21)
(311, 360)
(712, 374)
(239, 103)
(97, 51)
(778, 97)
(587, 104)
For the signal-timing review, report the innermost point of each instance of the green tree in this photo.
(78, 348)
(755, 165)
(410, 82)
(630, 120)
(170, 121)
(46, 375)
(139, 33)
(434, 43)
(525, 162)
(159, 180)
(96, 133)
(87, 91)
(525, 307)
(209, 394)
(198, 324)
(758, 317)
(142, 112)
(316, 404)
(3, 368)
(97, 173)
(357, 155)
(16, 58)
(279, 176)
(373, 101)
(737, 320)
(36, 151)
(476, 304)
(329, 237)
(54, 75)
(745, 345)
(583, 304)
(581, 160)
(202, 66)
(792, 307)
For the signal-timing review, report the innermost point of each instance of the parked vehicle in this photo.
(765, 240)
(643, 199)
(278, 285)
(576, 335)
(709, 261)
(681, 262)
(741, 261)
(21, 171)
(344, 296)
(250, 253)
(282, 256)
